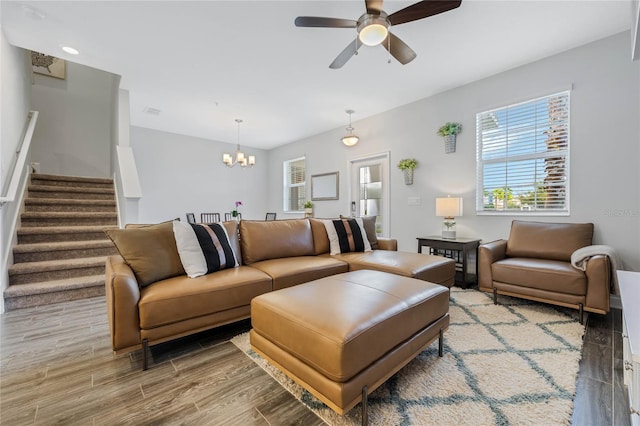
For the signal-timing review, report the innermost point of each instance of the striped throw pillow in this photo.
(347, 235)
(203, 248)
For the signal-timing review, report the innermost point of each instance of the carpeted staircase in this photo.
(61, 247)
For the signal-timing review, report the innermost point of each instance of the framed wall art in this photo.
(48, 65)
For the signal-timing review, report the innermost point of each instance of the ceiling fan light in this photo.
(373, 34)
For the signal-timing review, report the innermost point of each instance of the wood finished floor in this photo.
(56, 367)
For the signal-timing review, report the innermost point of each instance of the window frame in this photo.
(565, 153)
(287, 185)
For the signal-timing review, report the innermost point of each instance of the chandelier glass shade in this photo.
(240, 157)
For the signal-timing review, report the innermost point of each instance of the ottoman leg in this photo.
(365, 414)
(440, 343)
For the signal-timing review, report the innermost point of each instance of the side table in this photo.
(457, 249)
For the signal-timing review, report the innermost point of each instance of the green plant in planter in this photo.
(408, 163)
(308, 205)
(450, 129)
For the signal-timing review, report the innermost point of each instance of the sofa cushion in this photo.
(369, 223)
(543, 274)
(290, 271)
(555, 241)
(321, 239)
(435, 269)
(264, 240)
(181, 298)
(347, 236)
(150, 251)
(203, 248)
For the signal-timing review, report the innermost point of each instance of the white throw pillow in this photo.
(347, 235)
(203, 248)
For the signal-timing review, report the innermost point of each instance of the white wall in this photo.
(604, 148)
(15, 94)
(73, 136)
(180, 174)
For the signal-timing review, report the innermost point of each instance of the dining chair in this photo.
(209, 217)
(270, 216)
(229, 216)
(191, 218)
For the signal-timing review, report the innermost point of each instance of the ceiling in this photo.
(205, 63)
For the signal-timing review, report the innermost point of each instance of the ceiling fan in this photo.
(373, 27)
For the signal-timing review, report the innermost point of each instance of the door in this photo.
(369, 181)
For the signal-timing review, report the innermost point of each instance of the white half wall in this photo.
(73, 136)
(605, 179)
(183, 174)
(15, 95)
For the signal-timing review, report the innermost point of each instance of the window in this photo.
(523, 157)
(294, 185)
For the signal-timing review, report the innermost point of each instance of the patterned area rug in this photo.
(511, 364)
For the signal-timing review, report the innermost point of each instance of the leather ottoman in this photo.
(342, 336)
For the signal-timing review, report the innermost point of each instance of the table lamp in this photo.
(449, 207)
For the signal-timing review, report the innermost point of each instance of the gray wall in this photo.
(15, 93)
(180, 174)
(73, 136)
(604, 148)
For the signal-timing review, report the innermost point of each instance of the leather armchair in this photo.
(535, 264)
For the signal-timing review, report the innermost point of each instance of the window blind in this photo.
(523, 157)
(294, 184)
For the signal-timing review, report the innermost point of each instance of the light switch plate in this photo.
(414, 201)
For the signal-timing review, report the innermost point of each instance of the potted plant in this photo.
(449, 131)
(407, 165)
(308, 207)
(235, 212)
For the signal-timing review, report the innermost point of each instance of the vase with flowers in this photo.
(235, 212)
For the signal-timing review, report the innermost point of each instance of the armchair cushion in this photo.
(543, 274)
(555, 241)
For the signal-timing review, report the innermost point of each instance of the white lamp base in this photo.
(450, 235)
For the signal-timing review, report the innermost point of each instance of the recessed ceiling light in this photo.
(70, 50)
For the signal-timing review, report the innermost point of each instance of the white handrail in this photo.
(22, 152)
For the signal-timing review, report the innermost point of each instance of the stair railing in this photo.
(18, 163)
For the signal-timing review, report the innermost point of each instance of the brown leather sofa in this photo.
(165, 304)
(535, 264)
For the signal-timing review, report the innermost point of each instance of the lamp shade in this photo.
(449, 206)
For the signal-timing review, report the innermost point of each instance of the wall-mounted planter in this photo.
(450, 144)
(408, 176)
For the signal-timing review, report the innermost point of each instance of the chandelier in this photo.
(350, 139)
(241, 159)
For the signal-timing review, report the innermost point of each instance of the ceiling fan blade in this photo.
(399, 49)
(345, 55)
(422, 9)
(374, 7)
(316, 21)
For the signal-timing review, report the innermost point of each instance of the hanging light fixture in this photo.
(350, 139)
(241, 159)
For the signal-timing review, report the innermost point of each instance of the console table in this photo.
(457, 249)
(630, 298)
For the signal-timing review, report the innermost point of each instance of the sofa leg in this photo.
(581, 313)
(495, 296)
(145, 351)
(440, 343)
(365, 413)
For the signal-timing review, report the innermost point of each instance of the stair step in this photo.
(68, 205)
(43, 234)
(48, 191)
(32, 272)
(41, 219)
(39, 252)
(53, 291)
(73, 181)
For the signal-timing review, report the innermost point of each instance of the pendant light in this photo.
(350, 139)
(241, 159)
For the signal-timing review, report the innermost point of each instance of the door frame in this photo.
(384, 159)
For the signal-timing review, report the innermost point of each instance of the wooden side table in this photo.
(457, 249)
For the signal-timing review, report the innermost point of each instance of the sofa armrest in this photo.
(598, 271)
(489, 253)
(390, 244)
(123, 295)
